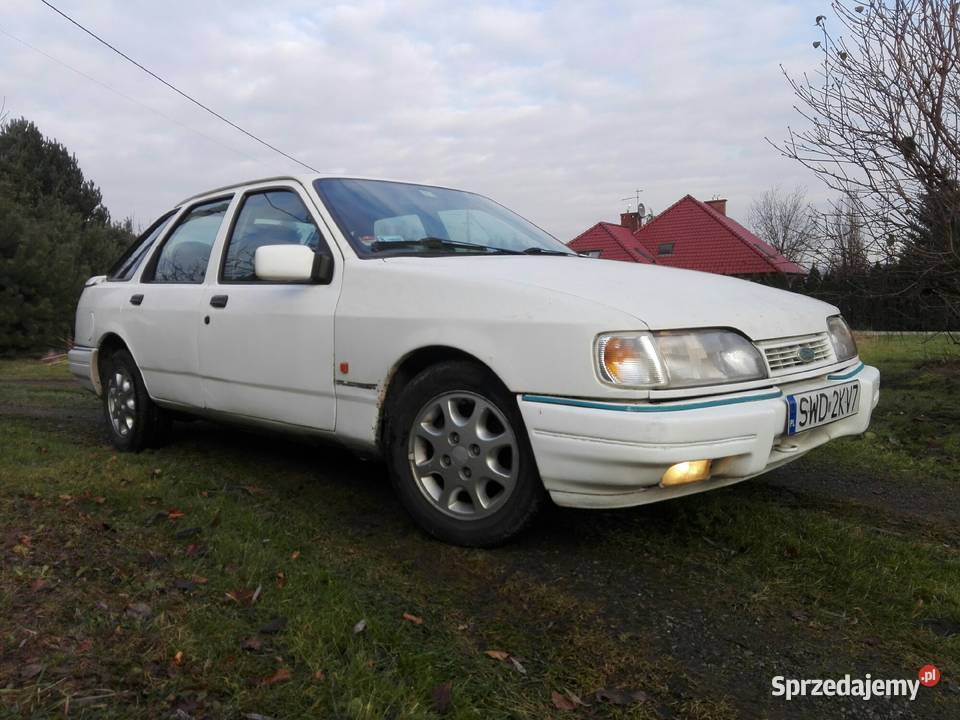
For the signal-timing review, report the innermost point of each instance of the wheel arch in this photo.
(110, 343)
(411, 365)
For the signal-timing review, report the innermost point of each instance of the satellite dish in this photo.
(641, 210)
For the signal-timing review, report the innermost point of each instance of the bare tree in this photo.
(786, 221)
(881, 128)
(844, 247)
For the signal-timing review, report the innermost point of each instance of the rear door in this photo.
(163, 315)
(268, 349)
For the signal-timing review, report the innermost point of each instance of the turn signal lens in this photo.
(686, 472)
(630, 359)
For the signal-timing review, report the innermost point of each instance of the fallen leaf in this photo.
(497, 654)
(242, 596)
(276, 625)
(193, 549)
(281, 580)
(620, 696)
(157, 472)
(39, 585)
(175, 514)
(139, 610)
(517, 666)
(575, 698)
(282, 675)
(178, 658)
(85, 646)
(561, 701)
(99, 500)
(26, 540)
(359, 627)
(319, 676)
(413, 618)
(254, 490)
(199, 579)
(30, 671)
(442, 698)
(187, 533)
(295, 555)
(252, 644)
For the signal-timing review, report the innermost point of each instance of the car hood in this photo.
(661, 297)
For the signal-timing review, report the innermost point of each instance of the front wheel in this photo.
(135, 422)
(460, 458)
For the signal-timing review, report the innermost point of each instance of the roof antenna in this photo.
(635, 197)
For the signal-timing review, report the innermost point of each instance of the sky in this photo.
(557, 110)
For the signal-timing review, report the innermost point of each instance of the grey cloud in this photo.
(557, 110)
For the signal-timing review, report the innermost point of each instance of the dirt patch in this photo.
(949, 369)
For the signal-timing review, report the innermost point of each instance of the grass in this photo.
(142, 585)
(916, 429)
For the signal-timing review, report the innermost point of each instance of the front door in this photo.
(267, 350)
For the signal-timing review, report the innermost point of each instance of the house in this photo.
(689, 234)
(611, 242)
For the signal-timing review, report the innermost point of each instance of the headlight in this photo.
(844, 345)
(677, 359)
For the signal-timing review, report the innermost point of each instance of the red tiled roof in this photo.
(704, 239)
(614, 242)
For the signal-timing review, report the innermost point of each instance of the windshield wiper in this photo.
(543, 251)
(437, 243)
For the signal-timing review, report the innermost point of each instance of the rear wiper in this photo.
(437, 243)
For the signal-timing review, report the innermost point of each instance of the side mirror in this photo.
(293, 264)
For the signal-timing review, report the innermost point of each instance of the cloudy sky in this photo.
(558, 110)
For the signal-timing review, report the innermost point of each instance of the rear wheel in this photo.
(460, 458)
(135, 422)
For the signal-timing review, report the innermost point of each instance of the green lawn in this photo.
(916, 428)
(227, 574)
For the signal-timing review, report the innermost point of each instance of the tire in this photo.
(134, 421)
(459, 456)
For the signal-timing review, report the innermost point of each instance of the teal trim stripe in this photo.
(848, 375)
(551, 400)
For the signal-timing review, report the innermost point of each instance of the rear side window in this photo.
(184, 256)
(126, 267)
(274, 217)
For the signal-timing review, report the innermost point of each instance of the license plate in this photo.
(819, 407)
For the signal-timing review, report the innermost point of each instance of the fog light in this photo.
(686, 472)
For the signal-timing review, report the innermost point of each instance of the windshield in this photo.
(382, 218)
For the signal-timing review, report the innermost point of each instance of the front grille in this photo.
(789, 353)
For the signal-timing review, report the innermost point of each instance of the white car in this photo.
(488, 364)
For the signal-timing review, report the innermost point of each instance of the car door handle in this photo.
(136, 299)
(218, 301)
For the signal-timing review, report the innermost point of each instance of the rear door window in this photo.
(126, 267)
(186, 252)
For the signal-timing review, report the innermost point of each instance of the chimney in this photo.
(631, 221)
(719, 205)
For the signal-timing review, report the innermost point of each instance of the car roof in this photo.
(304, 179)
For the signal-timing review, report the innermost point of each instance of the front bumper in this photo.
(83, 366)
(606, 455)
